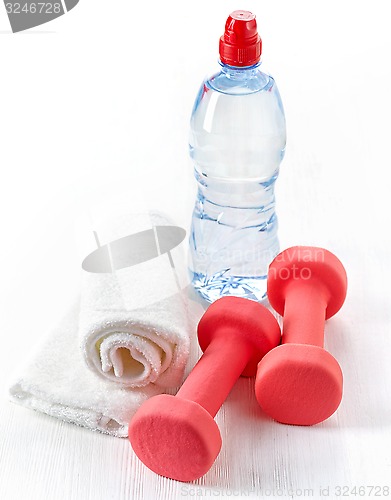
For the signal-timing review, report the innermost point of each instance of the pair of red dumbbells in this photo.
(297, 382)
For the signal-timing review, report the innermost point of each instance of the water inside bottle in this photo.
(237, 142)
(231, 245)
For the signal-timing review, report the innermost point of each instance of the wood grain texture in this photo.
(333, 191)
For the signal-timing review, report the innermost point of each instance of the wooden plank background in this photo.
(333, 191)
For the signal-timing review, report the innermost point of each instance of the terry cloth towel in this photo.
(57, 382)
(133, 322)
(131, 326)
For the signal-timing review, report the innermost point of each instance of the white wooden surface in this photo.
(79, 109)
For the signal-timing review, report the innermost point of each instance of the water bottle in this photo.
(237, 142)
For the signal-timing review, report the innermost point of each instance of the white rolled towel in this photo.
(56, 381)
(133, 322)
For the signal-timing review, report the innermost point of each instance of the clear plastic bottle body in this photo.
(237, 142)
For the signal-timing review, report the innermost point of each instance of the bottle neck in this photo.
(239, 72)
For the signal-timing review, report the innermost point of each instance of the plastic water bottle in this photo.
(237, 142)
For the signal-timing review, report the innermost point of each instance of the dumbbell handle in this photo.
(304, 313)
(216, 372)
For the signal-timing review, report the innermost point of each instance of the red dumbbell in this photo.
(176, 436)
(299, 382)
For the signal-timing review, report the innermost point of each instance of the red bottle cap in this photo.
(240, 45)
